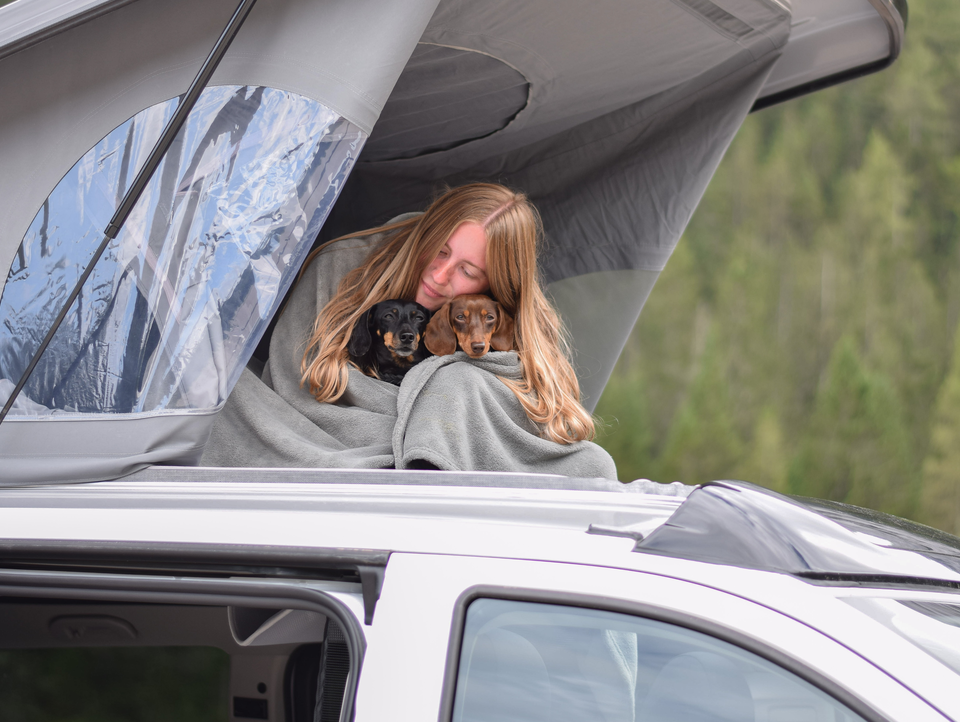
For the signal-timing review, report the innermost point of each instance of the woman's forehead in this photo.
(469, 243)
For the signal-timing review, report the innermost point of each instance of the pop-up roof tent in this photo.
(611, 115)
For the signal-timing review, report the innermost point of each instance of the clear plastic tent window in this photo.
(176, 304)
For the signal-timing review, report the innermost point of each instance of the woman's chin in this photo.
(428, 302)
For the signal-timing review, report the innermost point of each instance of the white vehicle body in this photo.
(440, 547)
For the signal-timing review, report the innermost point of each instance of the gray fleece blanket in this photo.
(452, 412)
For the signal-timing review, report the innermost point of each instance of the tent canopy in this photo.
(611, 115)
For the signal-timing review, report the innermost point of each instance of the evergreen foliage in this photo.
(856, 447)
(940, 499)
(801, 337)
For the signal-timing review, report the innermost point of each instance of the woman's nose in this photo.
(440, 272)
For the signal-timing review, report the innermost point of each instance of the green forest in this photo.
(803, 335)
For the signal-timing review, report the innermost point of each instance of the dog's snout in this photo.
(478, 347)
(407, 337)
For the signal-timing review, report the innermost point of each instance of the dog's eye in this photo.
(388, 316)
(491, 317)
(460, 317)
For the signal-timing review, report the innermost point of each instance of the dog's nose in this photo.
(407, 337)
(478, 347)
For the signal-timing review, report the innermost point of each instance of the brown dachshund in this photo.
(475, 323)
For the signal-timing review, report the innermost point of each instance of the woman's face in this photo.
(460, 268)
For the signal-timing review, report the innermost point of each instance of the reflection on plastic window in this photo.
(174, 307)
(522, 661)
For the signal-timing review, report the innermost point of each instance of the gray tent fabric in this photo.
(73, 448)
(62, 95)
(615, 155)
(611, 115)
(450, 411)
(459, 110)
(72, 88)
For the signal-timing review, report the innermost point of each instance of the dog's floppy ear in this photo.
(360, 340)
(502, 339)
(440, 339)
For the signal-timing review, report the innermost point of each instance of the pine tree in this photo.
(766, 461)
(703, 443)
(856, 449)
(660, 353)
(624, 428)
(824, 264)
(940, 490)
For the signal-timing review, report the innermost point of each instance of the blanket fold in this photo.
(455, 413)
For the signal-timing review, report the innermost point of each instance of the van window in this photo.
(115, 684)
(544, 662)
(123, 661)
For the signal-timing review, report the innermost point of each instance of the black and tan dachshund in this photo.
(387, 340)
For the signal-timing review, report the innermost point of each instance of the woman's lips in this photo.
(429, 292)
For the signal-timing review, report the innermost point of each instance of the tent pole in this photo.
(140, 182)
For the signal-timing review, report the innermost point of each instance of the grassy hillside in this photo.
(803, 334)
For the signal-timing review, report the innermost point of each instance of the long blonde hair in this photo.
(548, 388)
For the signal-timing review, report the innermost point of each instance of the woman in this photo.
(473, 239)
(503, 412)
